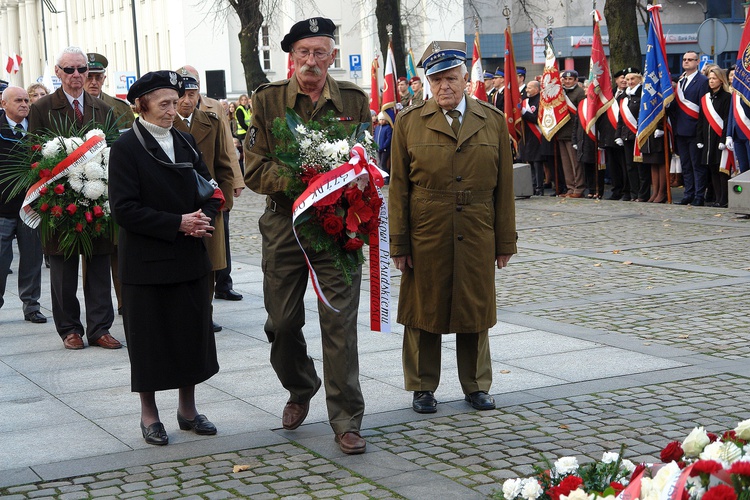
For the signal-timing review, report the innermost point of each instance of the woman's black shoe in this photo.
(200, 425)
(155, 434)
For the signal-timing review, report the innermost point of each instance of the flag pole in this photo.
(555, 146)
(596, 135)
(666, 157)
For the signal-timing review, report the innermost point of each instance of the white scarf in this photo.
(162, 135)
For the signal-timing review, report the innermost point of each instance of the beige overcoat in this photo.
(451, 206)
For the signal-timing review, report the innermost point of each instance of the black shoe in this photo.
(35, 317)
(480, 400)
(424, 402)
(155, 434)
(228, 295)
(686, 201)
(626, 198)
(217, 327)
(697, 202)
(200, 425)
(614, 197)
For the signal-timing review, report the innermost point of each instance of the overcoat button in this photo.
(460, 237)
(458, 149)
(459, 208)
(459, 179)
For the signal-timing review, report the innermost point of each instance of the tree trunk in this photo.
(622, 24)
(389, 12)
(251, 21)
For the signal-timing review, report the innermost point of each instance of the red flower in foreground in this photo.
(36, 147)
(720, 492)
(98, 228)
(638, 470)
(44, 190)
(353, 244)
(672, 452)
(566, 486)
(44, 207)
(35, 164)
(98, 211)
(56, 211)
(59, 189)
(705, 467)
(357, 214)
(740, 467)
(71, 209)
(45, 173)
(712, 437)
(89, 217)
(618, 487)
(333, 225)
(79, 227)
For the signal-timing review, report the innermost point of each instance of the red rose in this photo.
(98, 211)
(353, 244)
(353, 195)
(44, 207)
(56, 211)
(45, 173)
(330, 199)
(71, 209)
(36, 147)
(712, 437)
(79, 227)
(44, 190)
(333, 225)
(705, 467)
(566, 486)
(720, 492)
(740, 467)
(98, 227)
(89, 217)
(637, 472)
(35, 164)
(59, 189)
(672, 452)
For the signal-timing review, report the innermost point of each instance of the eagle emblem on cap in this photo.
(173, 78)
(435, 47)
(314, 26)
(183, 71)
(92, 58)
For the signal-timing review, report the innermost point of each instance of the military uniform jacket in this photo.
(212, 106)
(576, 95)
(121, 109)
(451, 206)
(209, 136)
(270, 101)
(53, 111)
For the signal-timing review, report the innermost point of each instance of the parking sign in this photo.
(355, 66)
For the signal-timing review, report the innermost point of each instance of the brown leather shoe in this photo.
(106, 341)
(295, 413)
(73, 341)
(351, 443)
(575, 195)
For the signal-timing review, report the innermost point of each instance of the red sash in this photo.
(571, 108)
(687, 106)
(628, 119)
(712, 116)
(534, 127)
(583, 116)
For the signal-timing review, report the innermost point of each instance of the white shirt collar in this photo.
(188, 118)
(71, 99)
(24, 123)
(689, 78)
(461, 108)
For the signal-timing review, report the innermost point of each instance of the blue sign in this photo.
(705, 59)
(355, 62)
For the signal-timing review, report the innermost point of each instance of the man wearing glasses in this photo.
(93, 85)
(691, 86)
(312, 93)
(70, 108)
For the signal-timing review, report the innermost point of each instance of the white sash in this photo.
(689, 107)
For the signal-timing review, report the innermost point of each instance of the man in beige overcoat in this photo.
(452, 219)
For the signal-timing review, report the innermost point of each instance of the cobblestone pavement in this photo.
(630, 275)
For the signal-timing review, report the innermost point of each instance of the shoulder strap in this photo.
(139, 136)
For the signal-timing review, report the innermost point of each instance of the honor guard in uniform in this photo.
(93, 85)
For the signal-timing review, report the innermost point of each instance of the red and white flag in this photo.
(289, 65)
(599, 92)
(389, 87)
(512, 94)
(554, 113)
(477, 73)
(14, 64)
(374, 86)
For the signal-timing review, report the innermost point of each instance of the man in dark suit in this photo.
(684, 110)
(13, 126)
(69, 107)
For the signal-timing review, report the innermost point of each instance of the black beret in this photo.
(627, 71)
(156, 80)
(569, 73)
(316, 26)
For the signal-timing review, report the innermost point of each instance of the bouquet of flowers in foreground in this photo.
(65, 180)
(341, 222)
(705, 466)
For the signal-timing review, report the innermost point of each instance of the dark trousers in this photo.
(224, 276)
(687, 149)
(594, 179)
(29, 264)
(97, 295)
(618, 172)
(644, 181)
(742, 154)
(285, 277)
(720, 182)
(634, 180)
(537, 176)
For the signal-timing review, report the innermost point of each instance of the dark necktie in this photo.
(187, 123)
(683, 84)
(455, 124)
(19, 130)
(79, 114)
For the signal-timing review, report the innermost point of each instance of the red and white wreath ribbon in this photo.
(380, 280)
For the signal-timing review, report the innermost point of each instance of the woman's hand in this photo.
(196, 224)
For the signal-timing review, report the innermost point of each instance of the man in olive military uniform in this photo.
(452, 220)
(312, 93)
(94, 83)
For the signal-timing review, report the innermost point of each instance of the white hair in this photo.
(70, 50)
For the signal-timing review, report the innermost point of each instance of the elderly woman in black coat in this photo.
(164, 209)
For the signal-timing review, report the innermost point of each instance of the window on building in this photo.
(728, 10)
(337, 46)
(265, 48)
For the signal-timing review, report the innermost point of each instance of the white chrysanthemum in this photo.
(93, 171)
(52, 148)
(531, 489)
(76, 170)
(105, 156)
(566, 465)
(577, 494)
(105, 207)
(342, 147)
(94, 189)
(316, 135)
(329, 150)
(301, 129)
(368, 136)
(610, 457)
(95, 132)
(72, 143)
(512, 488)
(305, 144)
(725, 452)
(76, 182)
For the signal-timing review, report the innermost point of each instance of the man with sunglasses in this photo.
(71, 108)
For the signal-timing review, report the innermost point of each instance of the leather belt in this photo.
(273, 206)
(458, 197)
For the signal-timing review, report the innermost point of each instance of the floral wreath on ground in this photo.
(705, 466)
(340, 223)
(65, 181)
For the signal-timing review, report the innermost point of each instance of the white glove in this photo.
(575, 146)
(700, 146)
(658, 133)
(722, 147)
(730, 143)
(619, 142)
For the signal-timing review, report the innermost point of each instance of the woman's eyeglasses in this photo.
(71, 70)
